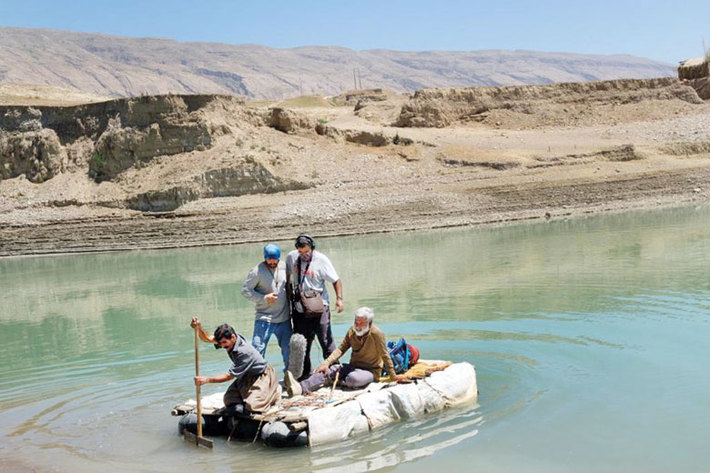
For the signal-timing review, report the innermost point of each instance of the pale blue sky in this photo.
(663, 30)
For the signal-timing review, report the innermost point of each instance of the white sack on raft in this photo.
(453, 386)
(334, 423)
(378, 408)
(456, 384)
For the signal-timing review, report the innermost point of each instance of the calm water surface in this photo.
(590, 339)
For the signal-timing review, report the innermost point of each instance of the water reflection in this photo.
(422, 437)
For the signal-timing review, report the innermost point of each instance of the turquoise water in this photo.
(589, 336)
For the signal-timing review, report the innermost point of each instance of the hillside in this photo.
(29, 94)
(124, 67)
(172, 170)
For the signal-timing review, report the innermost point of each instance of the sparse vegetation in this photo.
(97, 166)
(397, 140)
(97, 160)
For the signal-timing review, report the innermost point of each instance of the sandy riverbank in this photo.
(344, 211)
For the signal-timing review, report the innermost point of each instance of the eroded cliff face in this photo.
(701, 86)
(159, 153)
(104, 140)
(35, 141)
(37, 154)
(556, 104)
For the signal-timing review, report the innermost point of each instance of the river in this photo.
(589, 336)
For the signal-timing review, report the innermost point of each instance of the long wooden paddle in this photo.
(189, 436)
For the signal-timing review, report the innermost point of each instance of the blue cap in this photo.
(272, 251)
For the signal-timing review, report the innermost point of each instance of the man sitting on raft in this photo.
(256, 386)
(368, 358)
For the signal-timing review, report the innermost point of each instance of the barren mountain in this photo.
(120, 67)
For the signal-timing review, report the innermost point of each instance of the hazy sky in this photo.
(663, 30)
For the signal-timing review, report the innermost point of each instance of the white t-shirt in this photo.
(313, 275)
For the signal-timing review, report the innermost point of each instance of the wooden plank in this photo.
(198, 441)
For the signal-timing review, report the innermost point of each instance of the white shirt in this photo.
(315, 274)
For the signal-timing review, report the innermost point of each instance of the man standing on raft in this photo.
(265, 286)
(307, 272)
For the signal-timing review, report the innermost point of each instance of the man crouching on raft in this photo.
(366, 362)
(256, 386)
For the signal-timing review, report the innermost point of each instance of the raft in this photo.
(331, 415)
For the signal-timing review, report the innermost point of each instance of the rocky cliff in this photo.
(105, 139)
(158, 153)
(539, 105)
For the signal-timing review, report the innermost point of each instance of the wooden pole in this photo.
(189, 436)
(197, 386)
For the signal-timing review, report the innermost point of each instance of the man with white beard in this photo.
(369, 356)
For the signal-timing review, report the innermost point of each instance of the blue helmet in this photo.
(272, 251)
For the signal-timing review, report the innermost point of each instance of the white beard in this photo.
(362, 332)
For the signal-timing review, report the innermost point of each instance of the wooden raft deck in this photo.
(295, 410)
